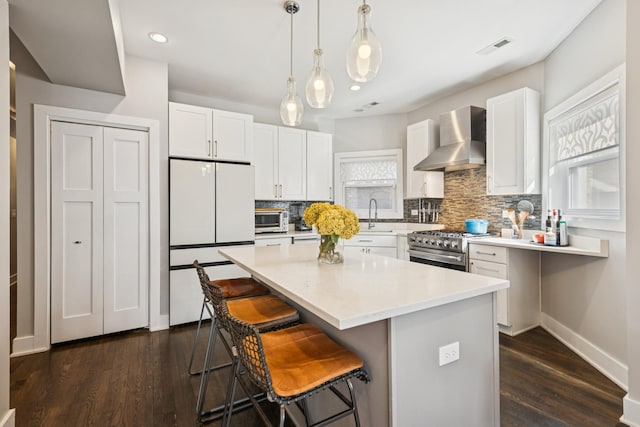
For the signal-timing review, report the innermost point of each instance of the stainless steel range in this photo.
(442, 248)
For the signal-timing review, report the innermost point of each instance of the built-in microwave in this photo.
(272, 220)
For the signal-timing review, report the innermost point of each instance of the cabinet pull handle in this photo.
(215, 148)
(487, 253)
(281, 191)
(275, 191)
(274, 244)
(365, 240)
(330, 192)
(208, 147)
(77, 242)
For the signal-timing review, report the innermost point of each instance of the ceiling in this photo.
(239, 50)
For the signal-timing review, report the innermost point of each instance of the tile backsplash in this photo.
(465, 196)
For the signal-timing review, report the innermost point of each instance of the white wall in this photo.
(588, 296)
(6, 417)
(147, 97)
(370, 133)
(632, 401)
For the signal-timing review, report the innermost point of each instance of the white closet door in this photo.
(126, 229)
(76, 231)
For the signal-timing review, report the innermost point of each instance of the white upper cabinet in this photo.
(190, 131)
(280, 163)
(205, 133)
(319, 166)
(513, 143)
(265, 147)
(421, 141)
(292, 164)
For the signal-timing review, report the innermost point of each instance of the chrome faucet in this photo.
(371, 225)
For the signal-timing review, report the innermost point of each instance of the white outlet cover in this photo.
(414, 212)
(449, 353)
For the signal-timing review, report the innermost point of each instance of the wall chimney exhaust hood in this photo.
(462, 141)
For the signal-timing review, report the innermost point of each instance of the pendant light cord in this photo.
(318, 16)
(291, 53)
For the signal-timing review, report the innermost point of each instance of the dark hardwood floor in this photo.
(140, 379)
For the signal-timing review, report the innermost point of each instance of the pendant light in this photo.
(291, 108)
(364, 55)
(319, 87)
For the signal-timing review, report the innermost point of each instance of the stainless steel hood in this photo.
(462, 141)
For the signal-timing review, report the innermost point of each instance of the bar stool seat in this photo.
(263, 312)
(240, 287)
(301, 358)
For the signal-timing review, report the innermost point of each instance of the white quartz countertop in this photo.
(578, 245)
(364, 289)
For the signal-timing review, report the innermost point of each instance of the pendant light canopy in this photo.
(364, 55)
(291, 108)
(319, 87)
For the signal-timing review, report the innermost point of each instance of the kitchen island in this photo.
(396, 315)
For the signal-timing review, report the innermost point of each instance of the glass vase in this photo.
(328, 253)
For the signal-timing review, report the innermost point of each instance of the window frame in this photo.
(365, 156)
(599, 219)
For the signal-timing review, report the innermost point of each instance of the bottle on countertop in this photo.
(563, 237)
(558, 220)
(548, 226)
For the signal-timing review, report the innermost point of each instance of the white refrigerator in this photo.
(211, 204)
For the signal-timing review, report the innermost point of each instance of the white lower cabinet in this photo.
(518, 306)
(185, 293)
(402, 251)
(377, 244)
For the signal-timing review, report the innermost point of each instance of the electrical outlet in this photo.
(449, 353)
(414, 212)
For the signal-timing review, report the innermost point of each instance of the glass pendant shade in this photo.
(291, 108)
(364, 55)
(319, 87)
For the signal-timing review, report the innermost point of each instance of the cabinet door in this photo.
(421, 141)
(292, 164)
(192, 202)
(232, 136)
(319, 166)
(190, 131)
(265, 147)
(513, 141)
(494, 269)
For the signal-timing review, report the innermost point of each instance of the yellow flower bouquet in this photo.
(332, 222)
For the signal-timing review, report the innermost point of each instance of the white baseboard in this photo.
(631, 413)
(594, 355)
(9, 419)
(26, 345)
(161, 324)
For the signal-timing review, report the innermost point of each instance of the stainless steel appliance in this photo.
(271, 220)
(462, 141)
(441, 248)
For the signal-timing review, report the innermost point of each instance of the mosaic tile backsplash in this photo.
(465, 196)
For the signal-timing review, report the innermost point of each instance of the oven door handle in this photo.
(458, 259)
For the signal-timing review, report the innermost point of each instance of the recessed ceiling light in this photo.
(158, 37)
(354, 88)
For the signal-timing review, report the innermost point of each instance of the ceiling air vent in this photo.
(495, 46)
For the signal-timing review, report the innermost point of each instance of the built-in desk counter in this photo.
(396, 315)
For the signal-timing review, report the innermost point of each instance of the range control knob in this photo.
(438, 242)
(445, 244)
(454, 244)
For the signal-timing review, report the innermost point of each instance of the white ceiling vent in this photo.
(495, 46)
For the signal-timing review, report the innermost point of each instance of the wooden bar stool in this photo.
(290, 365)
(265, 312)
(240, 287)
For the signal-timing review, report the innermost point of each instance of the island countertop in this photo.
(366, 288)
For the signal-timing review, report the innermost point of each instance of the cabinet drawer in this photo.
(488, 253)
(278, 241)
(486, 268)
(372, 240)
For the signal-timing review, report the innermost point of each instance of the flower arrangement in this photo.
(332, 222)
